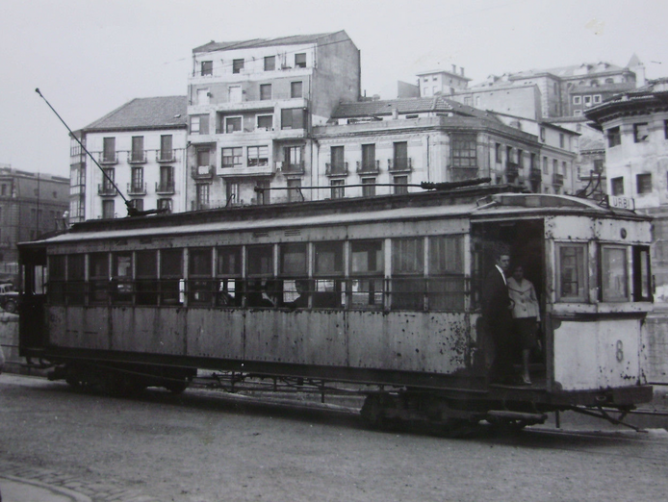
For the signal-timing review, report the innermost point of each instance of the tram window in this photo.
(200, 282)
(264, 293)
(171, 277)
(229, 288)
(75, 291)
(122, 277)
(366, 260)
(447, 288)
(261, 261)
(572, 274)
(57, 279)
(642, 278)
(328, 258)
(293, 259)
(614, 275)
(147, 274)
(408, 284)
(98, 273)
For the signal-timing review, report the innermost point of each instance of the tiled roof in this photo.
(571, 71)
(264, 42)
(405, 106)
(162, 111)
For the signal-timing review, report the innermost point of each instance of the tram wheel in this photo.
(176, 387)
(374, 411)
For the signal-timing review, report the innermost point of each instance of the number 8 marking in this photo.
(620, 351)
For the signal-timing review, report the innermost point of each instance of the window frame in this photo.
(606, 271)
(581, 296)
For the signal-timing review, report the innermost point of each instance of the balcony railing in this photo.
(137, 157)
(203, 172)
(164, 188)
(165, 156)
(340, 169)
(512, 169)
(369, 168)
(535, 174)
(292, 167)
(136, 188)
(108, 158)
(106, 190)
(463, 173)
(400, 165)
(557, 179)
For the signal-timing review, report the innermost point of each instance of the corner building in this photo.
(251, 108)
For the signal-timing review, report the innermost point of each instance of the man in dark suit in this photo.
(498, 319)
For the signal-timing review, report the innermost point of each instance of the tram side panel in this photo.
(597, 343)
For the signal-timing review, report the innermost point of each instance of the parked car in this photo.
(9, 297)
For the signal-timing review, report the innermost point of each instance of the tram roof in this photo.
(510, 204)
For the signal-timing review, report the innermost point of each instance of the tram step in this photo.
(537, 418)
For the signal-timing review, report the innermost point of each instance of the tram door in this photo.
(32, 314)
(524, 242)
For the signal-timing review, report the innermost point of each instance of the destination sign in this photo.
(621, 202)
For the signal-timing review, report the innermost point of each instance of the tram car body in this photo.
(383, 292)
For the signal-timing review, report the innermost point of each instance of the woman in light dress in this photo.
(526, 315)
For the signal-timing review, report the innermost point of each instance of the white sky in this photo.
(90, 56)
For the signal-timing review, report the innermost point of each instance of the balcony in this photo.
(291, 167)
(202, 172)
(535, 174)
(557, 179)
(108, 158)
(165, 156)
(512, 169)
(137, 157)
(400, 165)
(340, 169)
(462, 173)
(370, 168)
(164, 188)
(240, 171)
(106, 190)
(136, 188)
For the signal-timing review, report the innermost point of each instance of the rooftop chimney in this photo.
(454, 69)
(461, 68)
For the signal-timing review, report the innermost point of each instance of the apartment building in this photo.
(31, 204)
(251, 108)
(386, 146)
(141, 151)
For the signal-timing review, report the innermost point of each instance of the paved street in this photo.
(204, 447)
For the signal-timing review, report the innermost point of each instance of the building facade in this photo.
(31, 204)
(252, 106)
(141, 151)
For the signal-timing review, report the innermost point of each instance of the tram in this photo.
(379, 292)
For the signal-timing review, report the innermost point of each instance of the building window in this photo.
(617, 185)
(641, 132)
(300, 60)
(203, 158)
(207, 68)
(232, 193)
(258, 155)
(614, 136)
(265, 122)
(137, 183)
(564, 169)
(644, 183)
(232, 124)
(237, 65)
(137, 154)
(338, 165)
(368, 158)
(263, 192)
(269, 63)
(400, 185)
(108, 210)
(292, 158)
(400, 155)
(296, 89)
(577, 100)
(108, 180)
(497, 152)
(292, 118)
(138, 204)
(665, 129)
(265, 91)
(294, 190)
(562, 140)
(369, 187)
(232, 157)
(166, 151)
(597, 98)
(338, 189)
(166, 179)
(202, 195)
(587, 100)
(109, 149)
(464, 151)
(199, 124)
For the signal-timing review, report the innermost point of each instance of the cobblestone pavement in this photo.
(44, 485)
